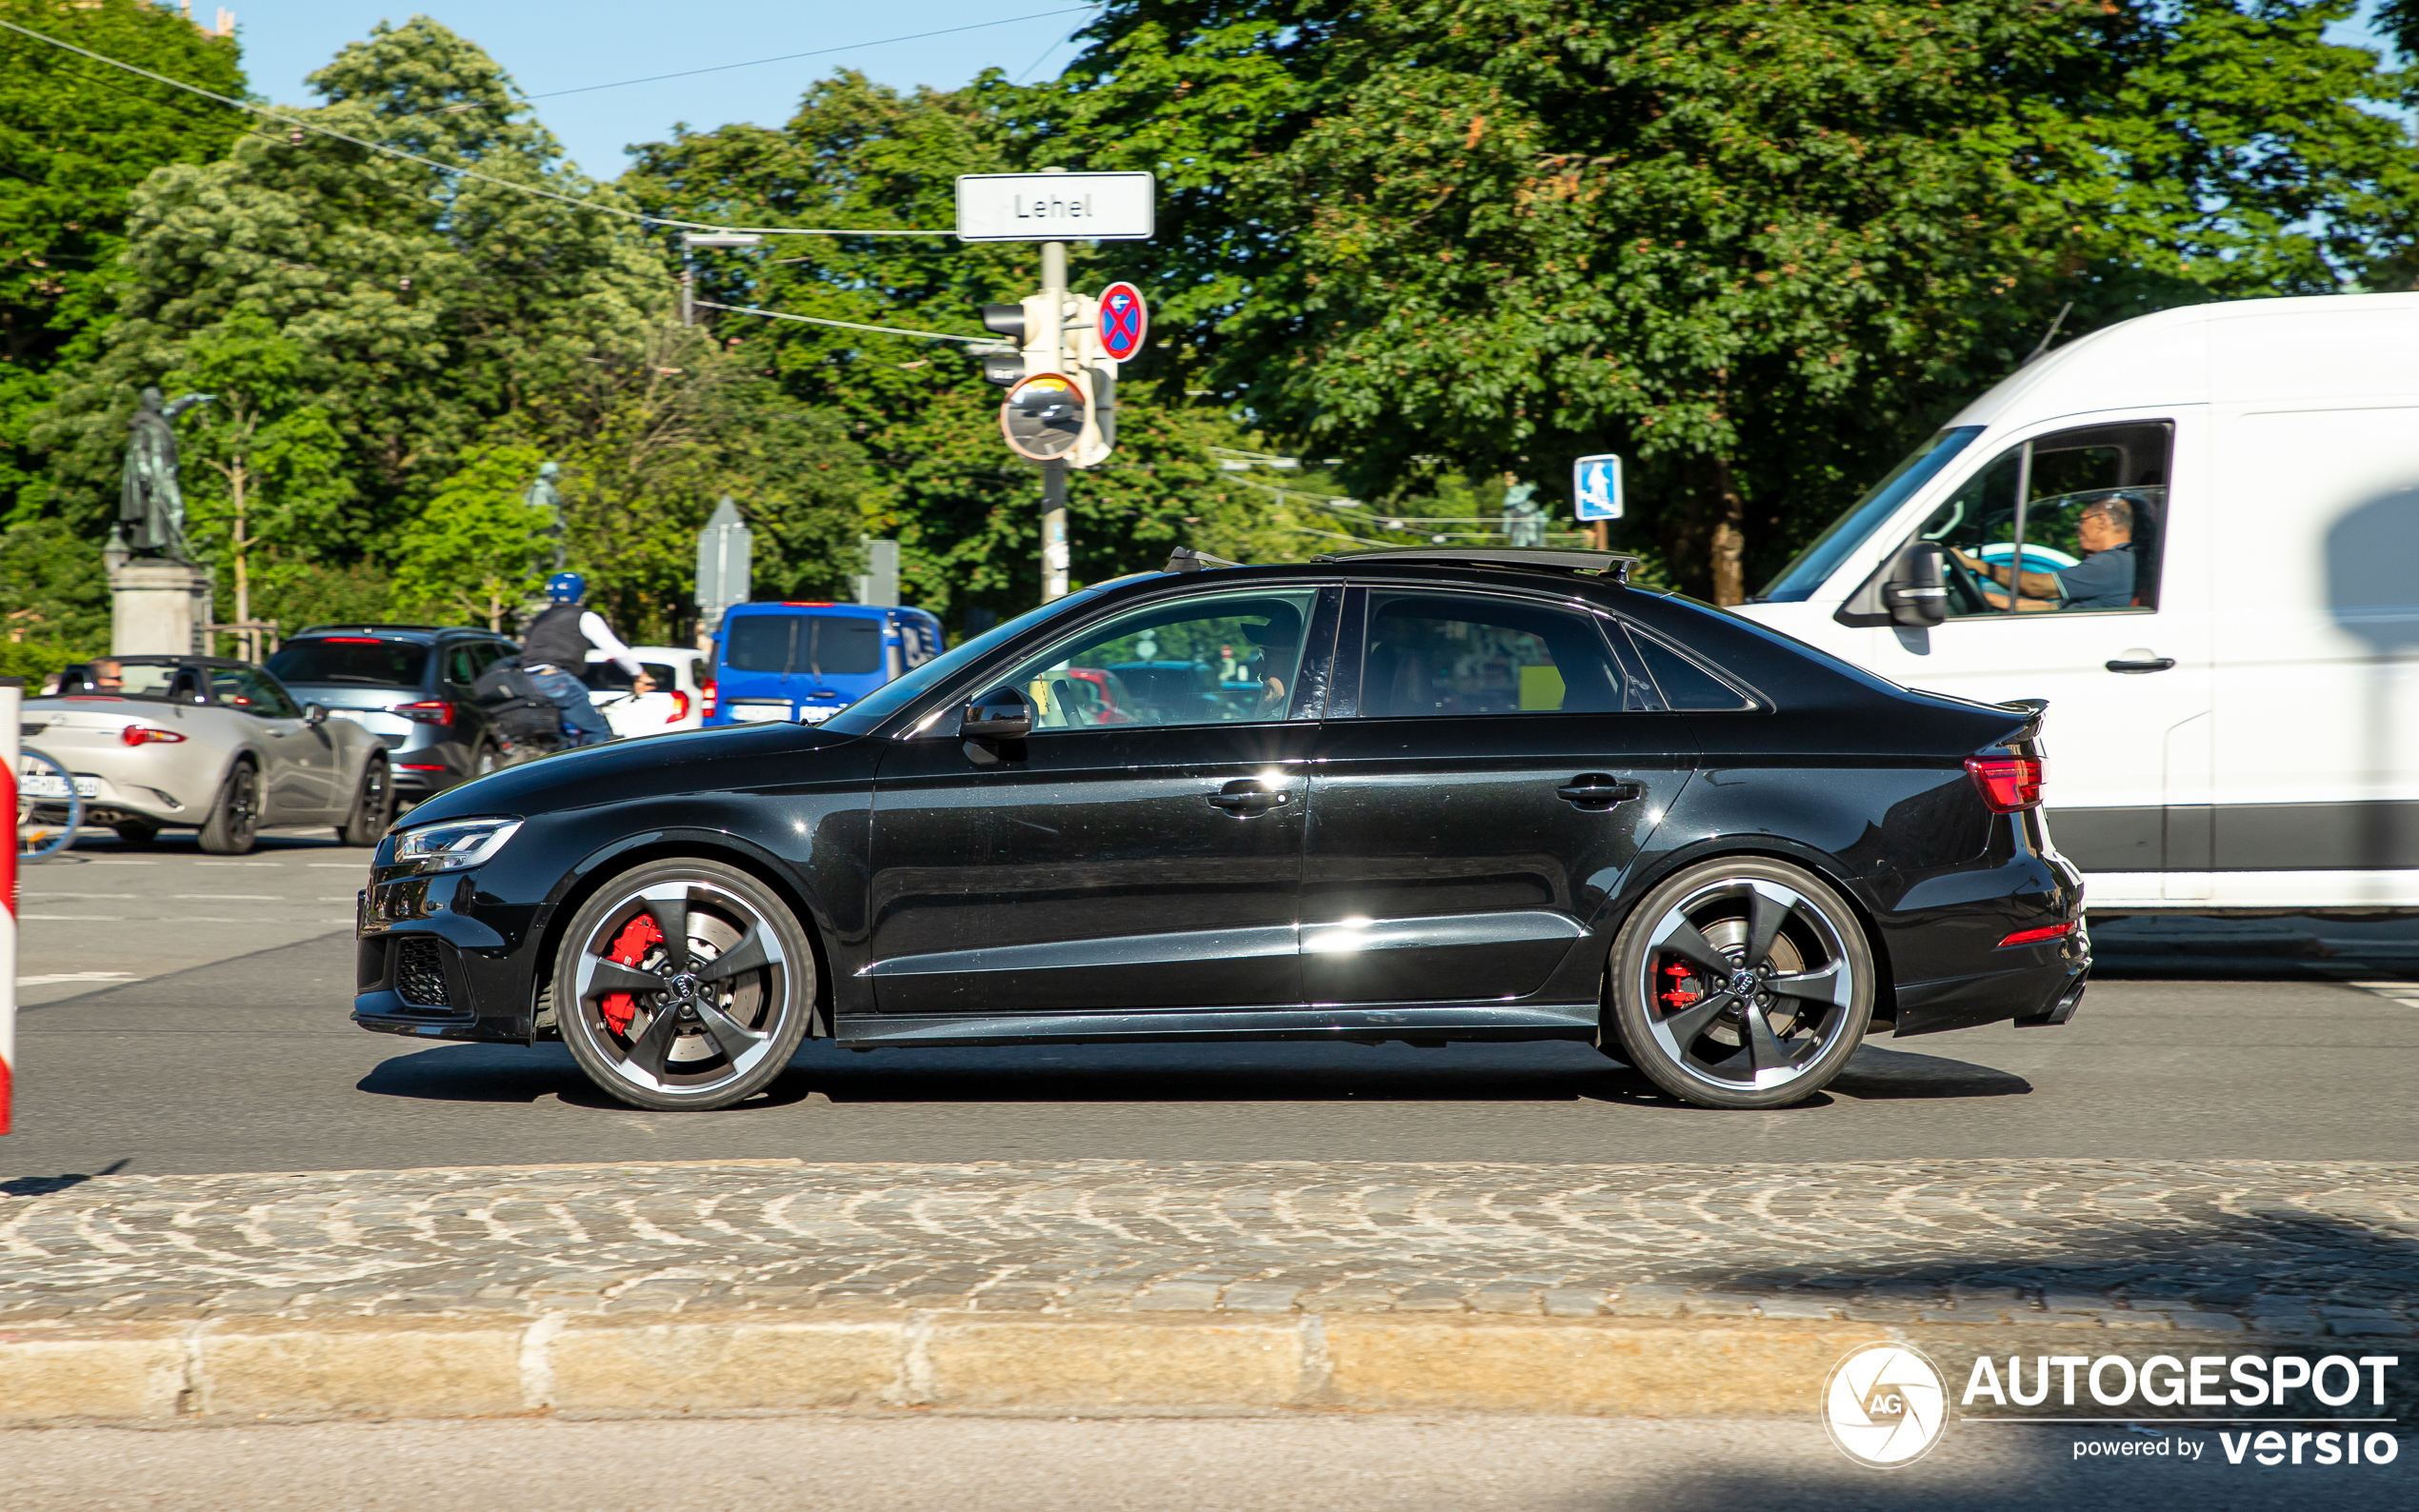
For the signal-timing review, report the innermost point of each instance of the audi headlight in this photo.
(454, 846)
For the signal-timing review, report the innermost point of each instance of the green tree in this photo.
(424, 304)
(480, 550)
(77, 137)
(964, 509)
(1752, 246)
(51, 589)
(263, 463)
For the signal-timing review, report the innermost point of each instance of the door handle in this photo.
(2141, 663)
(1245, 797)
(1598, 791)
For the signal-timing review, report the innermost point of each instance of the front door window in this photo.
(1228, 659)
(2064, 524)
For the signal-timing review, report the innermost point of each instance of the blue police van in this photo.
(779, 662)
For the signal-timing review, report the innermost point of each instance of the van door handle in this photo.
(1596, 791)
(2141, 661)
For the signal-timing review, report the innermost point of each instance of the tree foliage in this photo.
(77, 137)
(1751, 246)
(421, 305)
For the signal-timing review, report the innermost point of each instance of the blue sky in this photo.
(549, 46)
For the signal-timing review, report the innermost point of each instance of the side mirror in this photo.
(1915, 596)
(1000, 714)
(314, 714)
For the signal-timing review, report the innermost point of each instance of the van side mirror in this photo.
(1000, 714)
(1915, 596)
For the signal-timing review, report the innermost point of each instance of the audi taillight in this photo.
(2008, 784)
(145, 735)
(707, 693)
(427, 711)
(2050, 932)
(680, 707)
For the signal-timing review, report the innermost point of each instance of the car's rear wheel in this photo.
(234, 818)
(1740, 983)
(684, 983)
(373, 806)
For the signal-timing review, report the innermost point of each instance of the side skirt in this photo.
(1365, 1025)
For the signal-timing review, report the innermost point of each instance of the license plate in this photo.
(758, 713)
(815, 716)
(44, 784)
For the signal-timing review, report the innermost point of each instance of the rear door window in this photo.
(1446, 655)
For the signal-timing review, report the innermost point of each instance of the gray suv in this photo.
(409, 686)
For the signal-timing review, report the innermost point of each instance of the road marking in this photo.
(341, 866)
(48, 895)
(73, 918)
(229, 897)
(75, 976)
(2401, 990)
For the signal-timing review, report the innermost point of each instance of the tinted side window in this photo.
(1444, 654)
(460, 665)
(1685, 684)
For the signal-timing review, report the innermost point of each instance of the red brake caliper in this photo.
(1680, 996)
(618, 1008)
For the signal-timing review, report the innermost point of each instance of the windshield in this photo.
(346, 659)
(860, 716)
(1815, 564)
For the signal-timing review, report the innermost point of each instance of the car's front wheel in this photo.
(1740, 983)
(684, 983)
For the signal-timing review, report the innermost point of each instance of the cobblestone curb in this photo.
(1123, 1286)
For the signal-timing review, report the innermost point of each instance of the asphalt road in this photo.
(225, 1047)
(1236, 1464)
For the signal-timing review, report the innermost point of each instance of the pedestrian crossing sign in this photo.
(1596, 487)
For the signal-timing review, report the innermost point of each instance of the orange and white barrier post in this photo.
(11, 701)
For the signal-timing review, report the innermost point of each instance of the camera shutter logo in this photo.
(1885, 1405)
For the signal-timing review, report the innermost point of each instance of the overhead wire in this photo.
(295, 121)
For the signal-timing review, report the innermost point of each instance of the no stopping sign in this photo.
(1123, 320)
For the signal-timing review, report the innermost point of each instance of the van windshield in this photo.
(1821, 558)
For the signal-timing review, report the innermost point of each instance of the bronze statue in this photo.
(1523, 517)
(150, 503)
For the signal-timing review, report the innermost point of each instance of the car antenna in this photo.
(2050, 335)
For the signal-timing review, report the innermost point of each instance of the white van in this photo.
(2210, 517)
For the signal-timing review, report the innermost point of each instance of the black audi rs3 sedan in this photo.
(1422, 796)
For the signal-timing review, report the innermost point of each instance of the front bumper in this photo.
(436, 958)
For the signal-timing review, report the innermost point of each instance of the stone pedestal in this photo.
(158, 607)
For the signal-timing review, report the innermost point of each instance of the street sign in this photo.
(1055, 206)
(1122, 321)
(1596, 483)
(723, 548)
(1043, 417)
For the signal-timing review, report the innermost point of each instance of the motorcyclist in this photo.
(556, 648)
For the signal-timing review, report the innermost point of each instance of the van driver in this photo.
(2103, 580)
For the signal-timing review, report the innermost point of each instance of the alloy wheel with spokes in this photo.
(1744, 983)
(684, 985)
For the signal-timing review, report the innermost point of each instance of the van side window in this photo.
(2062, 524)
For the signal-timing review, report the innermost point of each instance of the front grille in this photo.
(420, 974)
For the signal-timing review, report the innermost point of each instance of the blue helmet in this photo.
(567, 587)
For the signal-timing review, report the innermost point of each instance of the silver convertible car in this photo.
(217, 745)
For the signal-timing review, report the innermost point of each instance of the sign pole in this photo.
(12, 700)
(1054, 555)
